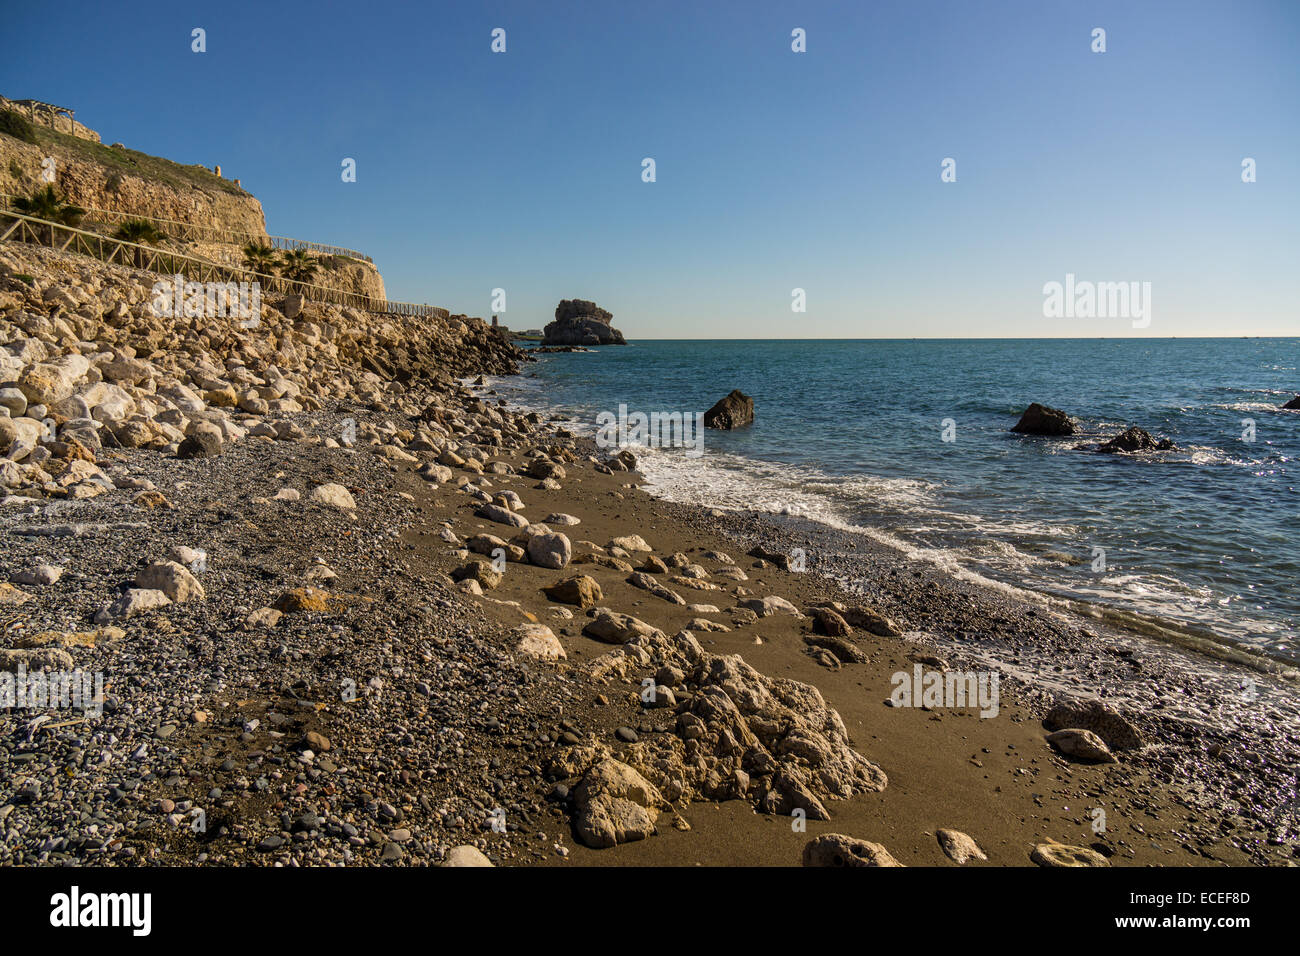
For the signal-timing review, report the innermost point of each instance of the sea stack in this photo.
(579, 322)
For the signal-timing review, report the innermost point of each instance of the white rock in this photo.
(334, 495)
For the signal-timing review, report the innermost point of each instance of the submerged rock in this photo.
(1133, 440)
(1044, 420)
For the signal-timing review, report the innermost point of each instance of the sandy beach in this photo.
(359, 679)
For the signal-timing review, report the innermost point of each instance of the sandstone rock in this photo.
(614, 804)
(871, 621)
(466, 855)
(549, 550)
(502, 516)
(732, 411)
(1081, 744)
(958, 846)
(826, 621)
(615, 628)
(35, 659)
(767, 606)
(480, 572)
(640, 579)
(173, 580)
(10, 595)
(836, 849)
(333, 495)
(581, 591)
(538, 642)
(1055, 854)
(204, 441)
(1093, 715)
(134, 601)
(41, 574)
(630, 542)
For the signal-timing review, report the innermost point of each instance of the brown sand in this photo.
(993, 778)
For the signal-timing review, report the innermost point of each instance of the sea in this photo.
(909, 442)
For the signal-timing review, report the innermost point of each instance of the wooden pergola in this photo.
(50, 108)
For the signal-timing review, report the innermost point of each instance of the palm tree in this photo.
(141, 232)
(47, 204)
(298, 265)
(260, 258)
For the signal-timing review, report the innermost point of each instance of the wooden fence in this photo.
(193, 232)
(17, 227)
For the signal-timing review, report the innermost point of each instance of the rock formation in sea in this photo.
(580, 322)
(1044, 420)
(733, 411)
(1134, 440)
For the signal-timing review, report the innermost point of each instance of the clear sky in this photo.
(775, 170)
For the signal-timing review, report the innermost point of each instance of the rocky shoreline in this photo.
(379, 618)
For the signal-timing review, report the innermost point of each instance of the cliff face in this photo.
(122, 180)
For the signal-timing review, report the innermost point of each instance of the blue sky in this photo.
(775, 170)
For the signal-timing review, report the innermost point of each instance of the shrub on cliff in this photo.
(17, 125)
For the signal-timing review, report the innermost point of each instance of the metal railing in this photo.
(19, 227)
(195, 232)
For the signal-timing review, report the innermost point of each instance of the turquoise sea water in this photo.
(850, 432)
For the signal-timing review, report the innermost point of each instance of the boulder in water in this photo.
(580, 322)
(1136, 440)
(733, 411)
(1044, 420)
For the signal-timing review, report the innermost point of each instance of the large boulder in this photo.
(1044, 420)
(733, 411)
(580, 322)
